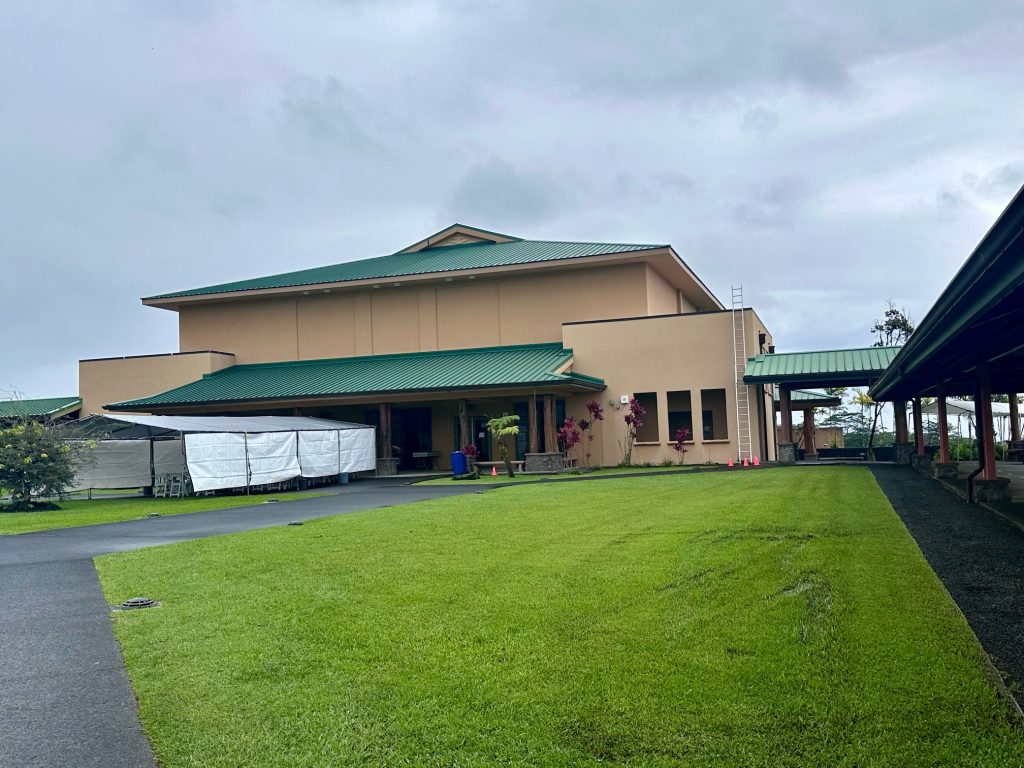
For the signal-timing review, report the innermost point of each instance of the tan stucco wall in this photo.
(663, 354)
(111, 380)
(662, 297)
(515, 309)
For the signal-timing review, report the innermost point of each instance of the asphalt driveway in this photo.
(65, 698)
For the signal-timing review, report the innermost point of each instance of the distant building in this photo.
(430, 341)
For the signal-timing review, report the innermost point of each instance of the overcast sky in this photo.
(828, 160)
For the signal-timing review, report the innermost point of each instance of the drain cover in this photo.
(295, 522)
(270, 501)
(153, 514)
(138, 602)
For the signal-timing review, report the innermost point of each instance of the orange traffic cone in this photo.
(745, 463)
(757, 461)
(730, 462)
(494, 471)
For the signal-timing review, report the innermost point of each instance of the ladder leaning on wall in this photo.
(739, 349)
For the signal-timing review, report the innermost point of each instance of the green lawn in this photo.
(776, 618)
(90, 512)
(501, 477)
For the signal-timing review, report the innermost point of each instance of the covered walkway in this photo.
(793, 372)
(971, 343)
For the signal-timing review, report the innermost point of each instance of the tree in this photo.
(504, 428)
(893, 330)
(35, 461)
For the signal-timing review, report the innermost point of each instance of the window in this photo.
(714, 414)
(648, 433)
(680, 413)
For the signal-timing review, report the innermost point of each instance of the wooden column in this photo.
(918, 427)
(809, 449)
(550, 438)
(1014, 417)
(943, 426)
(531, 429)
(786, 406)
(385, 430)
(464, 437)
(986, 436)
(899, 408)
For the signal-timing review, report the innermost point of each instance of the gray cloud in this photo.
(826, 156)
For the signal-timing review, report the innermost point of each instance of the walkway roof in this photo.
(48, 408)
(826, 368)
(532, 365)
(978, 319)
(807, 398)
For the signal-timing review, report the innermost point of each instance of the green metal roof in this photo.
(850, 367)
(49, 407)
(438, 259)
(808, 396)
(347, 376)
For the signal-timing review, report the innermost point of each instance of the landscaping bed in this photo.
(780, 618)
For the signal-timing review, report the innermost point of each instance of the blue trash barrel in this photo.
(459, 466)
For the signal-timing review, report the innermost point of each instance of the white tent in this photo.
(963, 411)
(226, 451)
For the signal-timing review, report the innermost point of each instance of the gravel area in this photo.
(977, 555)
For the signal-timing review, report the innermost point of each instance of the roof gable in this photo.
(458, 234)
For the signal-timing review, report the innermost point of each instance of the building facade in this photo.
(429, 342)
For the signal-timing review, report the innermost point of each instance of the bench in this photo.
(1016, 451)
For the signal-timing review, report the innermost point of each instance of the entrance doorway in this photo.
(410, 433)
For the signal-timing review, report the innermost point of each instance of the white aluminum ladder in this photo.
(739, 350)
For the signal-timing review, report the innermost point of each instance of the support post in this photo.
(986, 437)
(918, 427)
(385, 430)
(943, 426)
(785, 405)
(531, 430)
(1014, 418)
(464, 438)
(810, 451)
(899, 408)
(786, 453)
(550, 438)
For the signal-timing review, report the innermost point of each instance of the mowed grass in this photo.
(76, 512)
(776, 618)
(488, 479)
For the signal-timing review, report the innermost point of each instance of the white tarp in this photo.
(114, 464)
(358, 450)
(319, 453)
(272, 457)
(167, 457)
(216, 460)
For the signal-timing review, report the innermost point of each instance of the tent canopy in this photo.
(955, 407)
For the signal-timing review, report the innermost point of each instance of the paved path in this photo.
(65, 699)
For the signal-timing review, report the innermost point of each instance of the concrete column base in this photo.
(997, 490)
(387, 467)
(920, 461)
(787, 453)
(947, 471)
(903, 452)
(544, 462)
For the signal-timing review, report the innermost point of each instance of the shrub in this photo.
(35, 461)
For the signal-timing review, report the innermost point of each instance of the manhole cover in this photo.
(134, 603)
